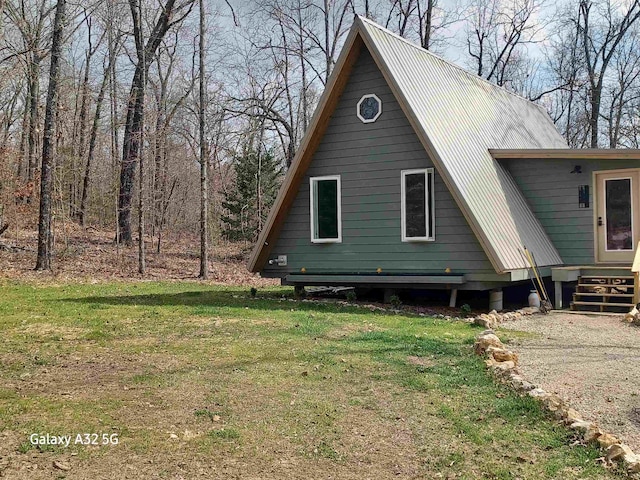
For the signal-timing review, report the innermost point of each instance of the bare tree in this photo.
(424, 21)
(10, 110)
(81, 127)
(170, 14)
(168, 103)
(31, 21)
(93, 136)
(621, 93)
(43, 261)
(495, 33)
(142, 266)
(565, 65)
(602, 29)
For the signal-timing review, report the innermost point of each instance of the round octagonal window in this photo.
(369, 108)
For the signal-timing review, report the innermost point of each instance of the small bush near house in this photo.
(395, 301)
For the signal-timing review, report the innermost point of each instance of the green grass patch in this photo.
(224, 434)
(193, 377)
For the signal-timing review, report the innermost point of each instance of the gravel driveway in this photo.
(592, 361)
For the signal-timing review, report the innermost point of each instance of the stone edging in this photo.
(504, 362)
(493, 318)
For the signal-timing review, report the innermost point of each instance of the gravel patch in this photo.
(591, 361)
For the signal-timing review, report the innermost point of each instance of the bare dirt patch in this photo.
(589, 360)
(45, 329)
(81, 376)
(420, 361)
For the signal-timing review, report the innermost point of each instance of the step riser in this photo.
(602, 304)
(595, 308)
(609, 293)
(608, 277)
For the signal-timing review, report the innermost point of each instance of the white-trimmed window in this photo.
(418, 219)
(326, 209)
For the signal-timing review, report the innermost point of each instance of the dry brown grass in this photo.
(91, 255)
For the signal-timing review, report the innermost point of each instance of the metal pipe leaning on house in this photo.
(544, 289)
(535, 287)
(545, 303)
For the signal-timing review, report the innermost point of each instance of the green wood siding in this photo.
(369, 157)
(552, 193)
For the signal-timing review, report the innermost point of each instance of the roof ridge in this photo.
(438, 57)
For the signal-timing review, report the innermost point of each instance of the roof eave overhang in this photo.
(567, 153)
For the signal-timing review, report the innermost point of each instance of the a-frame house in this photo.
(417, 174)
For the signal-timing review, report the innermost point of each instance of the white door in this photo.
(617, 215)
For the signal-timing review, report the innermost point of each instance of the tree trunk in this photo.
(595, 115)
(34, 93)
(204, 177)
(23, 164)
(130, 153)
(428, 21)
(142, 266)
(159, 159)
(82, 120)
(43, 261)
(82, 215)
(2, 2)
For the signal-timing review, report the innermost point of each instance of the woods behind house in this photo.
(160, 118)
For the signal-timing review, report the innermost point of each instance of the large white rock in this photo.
(485, 341)
(618, 452)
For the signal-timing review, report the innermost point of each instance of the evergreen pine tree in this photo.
(247, 205)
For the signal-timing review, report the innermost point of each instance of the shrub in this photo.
(395, 301)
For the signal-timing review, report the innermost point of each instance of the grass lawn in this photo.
(207, 382)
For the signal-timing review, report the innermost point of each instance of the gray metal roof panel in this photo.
(463, 116)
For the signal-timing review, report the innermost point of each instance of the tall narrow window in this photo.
(326, 209)
(417, 205)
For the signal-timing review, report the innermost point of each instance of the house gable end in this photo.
(456, 136)
(370, 157)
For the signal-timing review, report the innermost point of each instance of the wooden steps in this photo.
(604, 293)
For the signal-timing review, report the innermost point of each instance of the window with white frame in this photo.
(418, 222)
(326, 209)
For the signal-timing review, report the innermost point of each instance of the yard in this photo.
(198, 381)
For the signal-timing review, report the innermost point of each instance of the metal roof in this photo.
(459, 117)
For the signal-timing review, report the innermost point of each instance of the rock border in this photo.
(492, 319)
(504, 365)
